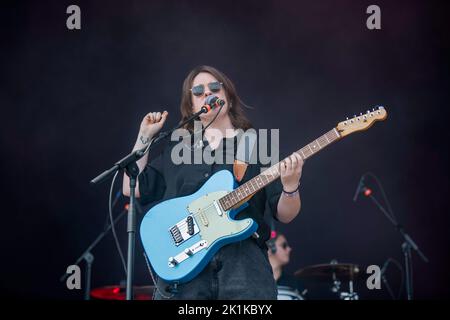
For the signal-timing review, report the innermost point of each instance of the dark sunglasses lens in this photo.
(198, 90)
(214, 86)
(285, 245)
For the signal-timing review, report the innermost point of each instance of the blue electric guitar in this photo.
(181, 235)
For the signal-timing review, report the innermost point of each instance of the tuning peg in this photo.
(368, 111)
(354, 116)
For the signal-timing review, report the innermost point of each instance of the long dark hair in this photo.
(235, 111)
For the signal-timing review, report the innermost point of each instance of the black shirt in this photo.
(162, 179)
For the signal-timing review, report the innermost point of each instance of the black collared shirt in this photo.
(162, 179)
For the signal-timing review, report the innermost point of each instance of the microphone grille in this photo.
(211, 99)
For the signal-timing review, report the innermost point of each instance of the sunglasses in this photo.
(199, 90)
(284, 245)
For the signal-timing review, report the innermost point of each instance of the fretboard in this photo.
(269, 175)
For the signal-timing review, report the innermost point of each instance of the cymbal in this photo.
(117, 292)
(341, 271)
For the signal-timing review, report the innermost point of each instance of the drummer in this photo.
(279, 254)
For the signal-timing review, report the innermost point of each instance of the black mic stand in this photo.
(128, 164)
(406, 248)
(89, 257)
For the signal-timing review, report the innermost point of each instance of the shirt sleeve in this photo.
(152, 184)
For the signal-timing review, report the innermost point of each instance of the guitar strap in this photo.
(244, 153)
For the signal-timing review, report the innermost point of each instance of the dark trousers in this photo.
(239, 270)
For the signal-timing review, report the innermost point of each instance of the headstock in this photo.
(361, 122)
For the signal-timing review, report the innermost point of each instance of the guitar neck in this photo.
(248, 189)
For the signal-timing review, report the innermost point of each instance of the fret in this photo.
(255, 185)
(317, 144)
(227, 201)
(308, 153)
(275, 173)
(248, 190)
(305, 154)
(337, 133)
(250, 187)
(301, 150)
(260, 183)
(242, 193)
(233, 199)
(330, 136)
(246, 193)
(325, 135)
(322, 143)
(263, 176)
(236, 197)
(239, 193)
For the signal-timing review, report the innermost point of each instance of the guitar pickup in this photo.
(190, 225)
(184, 230)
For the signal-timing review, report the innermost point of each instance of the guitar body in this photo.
(181, 235)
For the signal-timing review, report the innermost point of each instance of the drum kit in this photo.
(332, 276)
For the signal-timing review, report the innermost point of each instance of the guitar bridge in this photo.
(183, 230)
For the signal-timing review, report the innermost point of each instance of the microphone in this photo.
(359, 188)
(212, 102)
